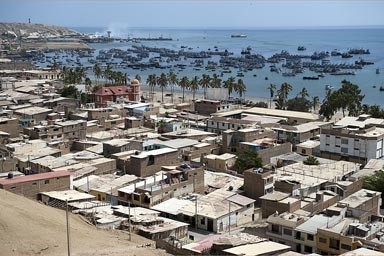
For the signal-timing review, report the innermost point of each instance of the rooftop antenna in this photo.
(29, 20)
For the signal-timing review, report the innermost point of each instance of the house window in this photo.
(34, 183)
(275, 228)
(151, 160)
(344, 150)
(308, 249)
(346, 247)
(322, 240)
(309, 237)
(288, 232)
(202, 221)
(334, 244)
(46, 182)
(344, 141)
(136, 197)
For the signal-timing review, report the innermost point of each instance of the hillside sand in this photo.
(28, 227)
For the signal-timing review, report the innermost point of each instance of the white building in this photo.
(356, 139)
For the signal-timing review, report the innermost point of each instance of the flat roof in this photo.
(178, 143)
(271, 112)
(360, 197)
(154, 152)
(362, 252)
(318, 221)
(34, 177)
(171, 206)
(275, 196)
(257, 248)
(33, 111)
(70, 195)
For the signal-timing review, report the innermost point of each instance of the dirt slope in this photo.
(30, 228)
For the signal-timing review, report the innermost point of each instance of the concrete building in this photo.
(309, 147)
(258, 183)
(357, 139)
(281, 227)
(218, 211)
(232, 138)
(207, 107)
(10, 126)
(299, 133)
(220, 124)
(162, 186)
(305, 235)
(219, 163)
(278, 202)
(36, 114)
(147, 163)
(121, 145)
(293, 117)
(31, 185)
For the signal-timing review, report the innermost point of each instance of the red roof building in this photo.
(114, 93)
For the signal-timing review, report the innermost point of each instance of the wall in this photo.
(31, 189)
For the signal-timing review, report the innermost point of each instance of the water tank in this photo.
(10, 175)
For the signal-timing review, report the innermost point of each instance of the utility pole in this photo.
(68, 238)
(229, 217)
(196, 222)
(129, 220)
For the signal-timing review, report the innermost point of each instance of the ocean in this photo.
(268, 42)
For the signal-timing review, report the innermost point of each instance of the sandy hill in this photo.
(31, 228)
(30, 30)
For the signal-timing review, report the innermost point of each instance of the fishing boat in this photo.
(238, 36)
(301, 48)
(381, 88)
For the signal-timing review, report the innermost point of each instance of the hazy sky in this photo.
(197, 13)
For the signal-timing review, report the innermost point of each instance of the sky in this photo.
(195, 13)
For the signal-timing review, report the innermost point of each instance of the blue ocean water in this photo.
(268, 42)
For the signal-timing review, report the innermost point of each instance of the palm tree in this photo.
(88, 85)
(184, 83)
(194, 86)
(108, 73)
(162, 81)
(215, 81)
(303, 93)
(240, 88)
(172, 78)
(151, 81)
(315, 102)
(138, 77)
(97, 71)
(229, 84)
(271, 88)
(283, 95)
(205, 83)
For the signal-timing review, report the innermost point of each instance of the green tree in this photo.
(299, 104)
(184, 83)
(138, 77)
(282, 95)
(152, 82)
(162, 81)
(303, 93)
(311, 160)
(69, 91)
(215, 81)
(194, 86)
(315, 102)
(88, 84)
(97, 71)
(247, 160)
(205, 83)
(240, 88)
(375, 182)
(229, 84)
(173, 80)
(271, 88)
